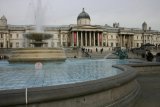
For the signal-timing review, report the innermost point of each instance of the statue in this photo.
(121, 53)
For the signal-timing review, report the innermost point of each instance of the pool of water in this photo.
(17, 76)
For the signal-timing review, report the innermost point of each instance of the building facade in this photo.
(82, 34)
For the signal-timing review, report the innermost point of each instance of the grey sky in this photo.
(129, 13)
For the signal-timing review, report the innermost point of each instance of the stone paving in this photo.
(150, 85)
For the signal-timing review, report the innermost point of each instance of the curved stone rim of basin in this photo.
(66, 91)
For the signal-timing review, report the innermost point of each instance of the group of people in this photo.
(86, 50)
(2, 57)
(101, 50)
(90, 50)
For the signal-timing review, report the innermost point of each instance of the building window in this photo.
(1, 35)
(137, 37)
(111, 37)
(64, 43)
(52, 44)
(11, 45)
(137, 44)
(17, 35)
(10, 35)
(46, 45)
(111, 44)
(1, 45)
(148, 37)
(116, 44)
(17, 44)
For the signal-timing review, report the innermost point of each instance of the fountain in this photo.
(38, 53)
(73, 83)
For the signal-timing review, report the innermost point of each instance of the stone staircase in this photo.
(96, 55)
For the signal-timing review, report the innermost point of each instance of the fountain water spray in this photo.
(39, 52)
(39, 16)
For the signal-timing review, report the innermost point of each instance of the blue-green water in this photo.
(17, 76)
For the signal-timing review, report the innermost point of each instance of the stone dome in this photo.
(144, 23)
(144, 26)
(84, 15)
(3, 18)
(83, 18)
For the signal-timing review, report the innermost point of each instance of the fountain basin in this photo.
(38, 36)
(118, 88)
(37, 54)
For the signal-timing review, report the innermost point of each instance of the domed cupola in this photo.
(144, 26)
(83, 18)
(3, 21)
(3, 18)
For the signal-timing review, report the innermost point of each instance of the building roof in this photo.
(83, 14)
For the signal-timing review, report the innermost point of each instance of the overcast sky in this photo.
(129, 13)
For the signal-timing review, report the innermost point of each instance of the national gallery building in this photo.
(82, 34)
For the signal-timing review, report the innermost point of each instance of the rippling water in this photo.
(16, 76)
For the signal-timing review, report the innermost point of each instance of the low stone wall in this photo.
(119, 90)
(146, 68)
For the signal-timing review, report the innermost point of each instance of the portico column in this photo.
(81, 39)
(77, 39)
(94, 38)
(4, 41)
(98, 38)
(119, 40)
(101, 39)
(123, 40)
(121, 36)
(89, 38)
(73, 39)
(132, 44)
(85, 38)
(129, 41)
(61, 39)
(8, 39)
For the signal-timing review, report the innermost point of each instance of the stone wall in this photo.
(146, 68)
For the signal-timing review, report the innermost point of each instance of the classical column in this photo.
(132, 42)
(81, 38)
(123, 40)
(77, 39)
(8, 40)
(119, 41)
(98, 38)
(4, 41)
(106, 39)
(89, 38)
(61, 39)
(101, 39)
(128, 41)
(94, 38)
(73, 39)
(85, 38)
